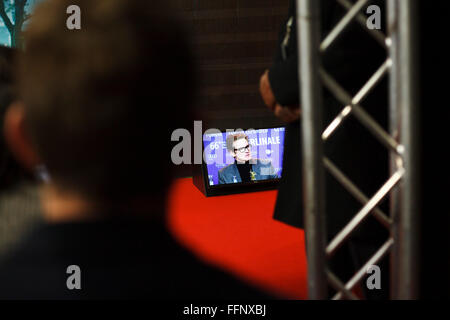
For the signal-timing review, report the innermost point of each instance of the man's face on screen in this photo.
(242, 151)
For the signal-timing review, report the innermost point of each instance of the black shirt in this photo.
(118, 260)
(244, 170)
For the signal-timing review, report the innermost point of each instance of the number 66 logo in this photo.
(214, 145)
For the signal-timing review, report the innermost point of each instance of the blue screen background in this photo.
(265, 144)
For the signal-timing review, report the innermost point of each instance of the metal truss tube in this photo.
(362, 93)
(308, 13)
(376, 129)
(339, 286)
(395, 160)
(360, 114)
(409, 137)
(362, 20)
(363, 271)
(373, 81)
(342, 24)
(353, 190)
(363, 213)
(336, 122)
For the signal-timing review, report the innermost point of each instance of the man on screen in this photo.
(245, 168)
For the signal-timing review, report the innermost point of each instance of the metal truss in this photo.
(401, 142)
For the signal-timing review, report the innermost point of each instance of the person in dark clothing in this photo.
(351, 60)
(123, 258)
(87, 110)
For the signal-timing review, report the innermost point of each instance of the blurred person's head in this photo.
(98, 105)
(239, 147)
(11, 172)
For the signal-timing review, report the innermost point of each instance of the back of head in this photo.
(101, 102)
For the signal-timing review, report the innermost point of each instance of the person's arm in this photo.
(286, 113)
(266, 91)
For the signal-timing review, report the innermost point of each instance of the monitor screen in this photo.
(243, 157)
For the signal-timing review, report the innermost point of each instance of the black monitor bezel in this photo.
(231, 188)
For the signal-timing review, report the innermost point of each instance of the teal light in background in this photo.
(5, 36)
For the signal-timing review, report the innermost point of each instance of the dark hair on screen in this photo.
(11, 172)
(101, 102)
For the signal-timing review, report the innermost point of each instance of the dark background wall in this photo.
(234, 42)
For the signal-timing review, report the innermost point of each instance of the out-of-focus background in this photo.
(234, 42)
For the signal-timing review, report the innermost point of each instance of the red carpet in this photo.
(238, 233)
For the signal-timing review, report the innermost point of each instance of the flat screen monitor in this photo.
(241, 161)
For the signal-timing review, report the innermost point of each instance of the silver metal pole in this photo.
(363, 213)
(395, 160)
(409, 137)
(308, 17)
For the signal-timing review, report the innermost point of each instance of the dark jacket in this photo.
(351, 60)
(118, 259)
(262, 169)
